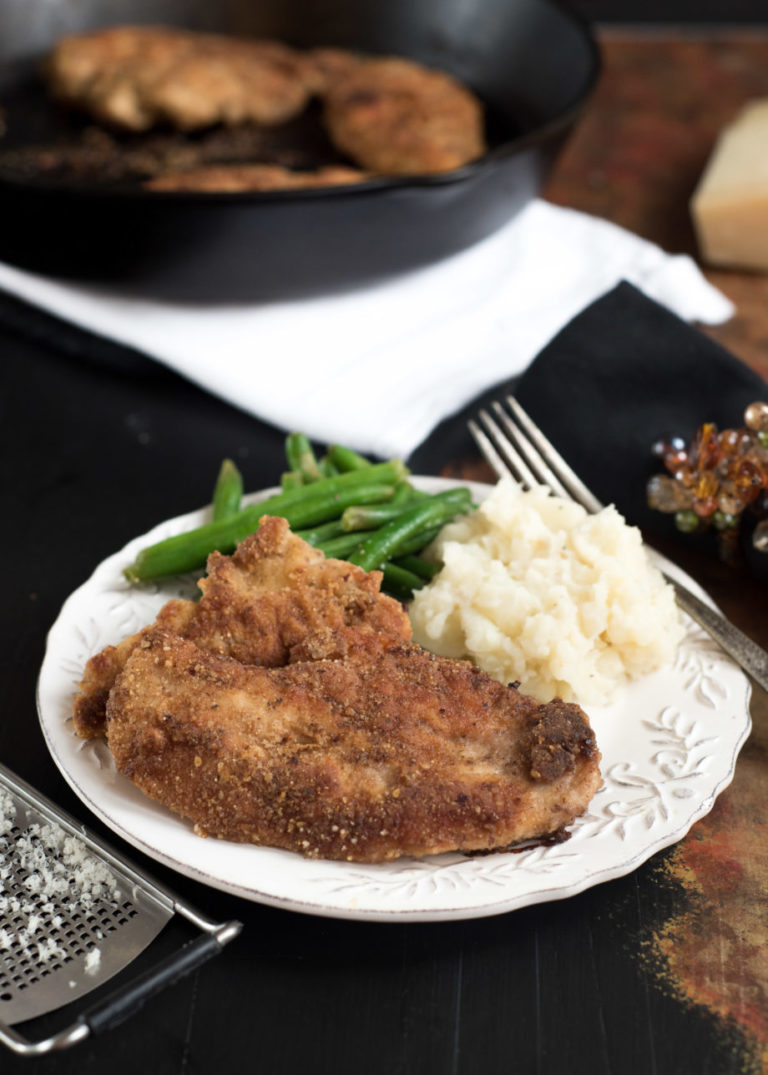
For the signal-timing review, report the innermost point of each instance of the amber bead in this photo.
(748, 478)
(705, 507)
(729, 441)
(675, 459)
(706, 486)
(705, 451)
(686, 476)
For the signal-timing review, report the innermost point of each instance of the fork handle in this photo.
(747, 654)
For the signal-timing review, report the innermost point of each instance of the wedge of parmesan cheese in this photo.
(730, 204)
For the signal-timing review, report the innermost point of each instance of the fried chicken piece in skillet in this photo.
(276, 599)
(256, 177)
(135, 77)
(358, 760)
(395, 117)
(326, 66)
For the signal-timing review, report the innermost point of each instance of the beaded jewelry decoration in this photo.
(715, 480)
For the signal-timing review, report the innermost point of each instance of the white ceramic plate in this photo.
(669, 747)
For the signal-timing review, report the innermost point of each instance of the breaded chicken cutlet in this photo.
(396, 117)
(289, 708)
(135, 77)
(243, 177)
(360, 759)
(276, 599)
(386, 115)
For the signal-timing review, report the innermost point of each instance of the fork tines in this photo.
(514, 445)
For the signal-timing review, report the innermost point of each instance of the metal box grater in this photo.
(72, 914)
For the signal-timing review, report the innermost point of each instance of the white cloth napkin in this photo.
(377, 369)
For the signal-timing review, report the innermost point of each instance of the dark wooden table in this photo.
(662, 971)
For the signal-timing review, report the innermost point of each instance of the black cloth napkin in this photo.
(625, 372)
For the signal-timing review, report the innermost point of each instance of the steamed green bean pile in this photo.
(344, 505)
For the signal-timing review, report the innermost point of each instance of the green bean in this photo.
(371, 517)
(228, 491)
(344, 545)
(304, 507)
(315, 510)
(403, 493)
(399, 582)
(425, 569)
(340, 548)
(316, 535)
(189, 551)
(356, 518)
(418, 541)
(346, 459)
(301, 457)
(387, 542)
(291, 479)
(327, 467)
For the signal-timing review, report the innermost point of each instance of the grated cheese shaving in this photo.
(47, 877)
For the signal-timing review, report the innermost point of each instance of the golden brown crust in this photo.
(326, 66)
(275, 592)
(102, 669)
(395, 117)
(389, 115)
(234, 178)
(135, 77)
(401, 753)
(275, 600)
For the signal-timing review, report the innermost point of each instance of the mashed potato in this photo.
(535, 589)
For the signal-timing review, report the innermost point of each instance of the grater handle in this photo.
(124, 1002)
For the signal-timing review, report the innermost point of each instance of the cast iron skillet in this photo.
(532, 62)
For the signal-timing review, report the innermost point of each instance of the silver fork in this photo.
(515, 447)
